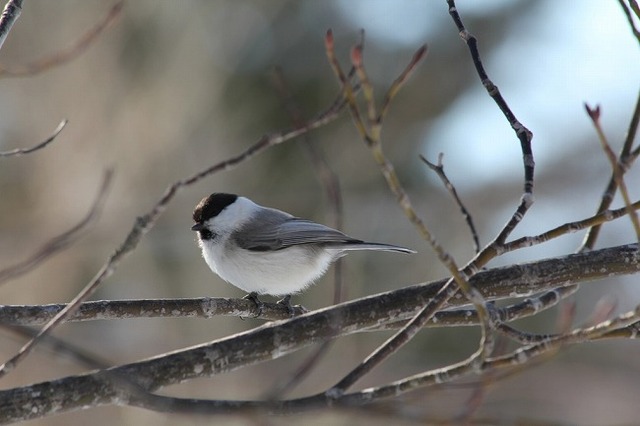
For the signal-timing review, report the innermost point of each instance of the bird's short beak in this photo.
(197, 227)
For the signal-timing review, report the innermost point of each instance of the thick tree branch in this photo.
(276, 339)
(501, 281)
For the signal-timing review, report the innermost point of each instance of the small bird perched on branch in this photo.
(267, 251)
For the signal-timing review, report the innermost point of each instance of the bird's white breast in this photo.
(278, 273)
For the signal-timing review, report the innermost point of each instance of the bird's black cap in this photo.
(212, 205)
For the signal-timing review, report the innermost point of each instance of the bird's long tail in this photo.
(363, 245)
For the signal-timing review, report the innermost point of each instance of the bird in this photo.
(265, 251)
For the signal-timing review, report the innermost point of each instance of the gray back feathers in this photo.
(276, 230)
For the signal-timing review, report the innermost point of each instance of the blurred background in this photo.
(174, 87)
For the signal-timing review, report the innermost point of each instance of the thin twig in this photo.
(10, 15)
(371, 136)
(62, 241)
(522, 337)
(346, 87)
(54, 245)
(144, 223)
(479, 391)
(570, 227)
(439, 169)
(616, 167)
(627, 323)
(524, 135)
(491, 376)
(22, 151)
(635, 7)
(627, 13)
(626, 157)
(64, 56)
(400, 80)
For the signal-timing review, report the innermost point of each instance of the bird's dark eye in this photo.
(205, 234)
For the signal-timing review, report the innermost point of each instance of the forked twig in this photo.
(372, 139)
(603, 310)
(627, 156)
(22, 151)
(524, 135)
(625, 324)
(616, 167)
(570, 227)
(371, 134)
(439, 169)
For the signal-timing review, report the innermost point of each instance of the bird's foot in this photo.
(286, 302)
(253, 296)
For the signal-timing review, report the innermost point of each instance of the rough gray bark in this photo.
(125, 384)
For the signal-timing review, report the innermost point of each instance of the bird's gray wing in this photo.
(276, 232)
